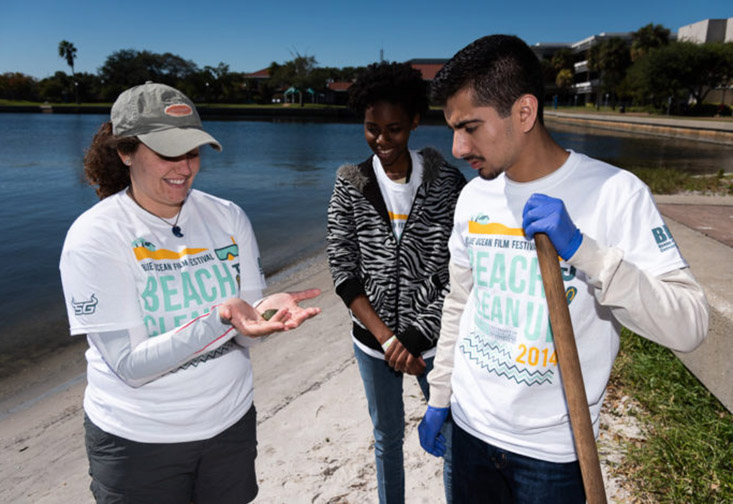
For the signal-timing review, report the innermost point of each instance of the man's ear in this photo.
(526, 108)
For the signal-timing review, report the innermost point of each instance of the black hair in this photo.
(397, 83)
(498, 69)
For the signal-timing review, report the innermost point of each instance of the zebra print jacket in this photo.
(405, 281)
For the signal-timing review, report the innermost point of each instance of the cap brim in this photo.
(176, 142)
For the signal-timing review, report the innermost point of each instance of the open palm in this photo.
(290, 301)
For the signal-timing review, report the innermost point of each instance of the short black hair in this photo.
(397, 83)
(497, 68)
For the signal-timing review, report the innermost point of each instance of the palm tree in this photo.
(68, 52)
(647, 38)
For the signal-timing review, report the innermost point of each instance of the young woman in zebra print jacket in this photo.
(389, 220)
(404, 280)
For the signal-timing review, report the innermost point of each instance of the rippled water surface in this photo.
(281, 173)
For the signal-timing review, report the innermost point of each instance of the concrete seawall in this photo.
(703, 229)
(704, 130)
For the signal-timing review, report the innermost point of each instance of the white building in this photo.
(707, 30)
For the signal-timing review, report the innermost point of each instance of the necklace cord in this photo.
(175, 229)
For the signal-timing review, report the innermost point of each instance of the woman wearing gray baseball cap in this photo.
(165, 280)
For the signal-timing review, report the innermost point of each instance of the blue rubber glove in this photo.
(431, 439)
(543, 214)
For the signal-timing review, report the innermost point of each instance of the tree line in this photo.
(652, 71)
(128, 67)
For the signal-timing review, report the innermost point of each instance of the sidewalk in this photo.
(703, 229)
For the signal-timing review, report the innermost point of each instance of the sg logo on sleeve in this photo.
(85, 307)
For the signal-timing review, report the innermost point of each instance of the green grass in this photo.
(670, 181)
(6, 102)
(687, 454)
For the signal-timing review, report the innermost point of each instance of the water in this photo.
(281, 173)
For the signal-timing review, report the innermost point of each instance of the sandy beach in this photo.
(314, 432)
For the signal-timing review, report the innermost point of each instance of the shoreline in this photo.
(703, 129)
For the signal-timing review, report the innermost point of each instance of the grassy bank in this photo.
(669, 181)
(686, 455)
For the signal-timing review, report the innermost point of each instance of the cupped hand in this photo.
(289, 302)
(248, 321)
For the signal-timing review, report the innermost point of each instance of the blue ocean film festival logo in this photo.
(664, 239)
(142, 242)
(85, 307)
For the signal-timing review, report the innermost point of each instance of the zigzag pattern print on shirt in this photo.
(222, 350)
(495, 358)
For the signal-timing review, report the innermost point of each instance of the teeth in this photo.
(177, 182)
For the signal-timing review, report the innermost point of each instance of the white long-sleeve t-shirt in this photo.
(162, 367)
(496, 363)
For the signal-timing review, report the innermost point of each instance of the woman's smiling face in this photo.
(160, 184)
(387, 128)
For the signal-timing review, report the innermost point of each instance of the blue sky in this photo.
(248, 35)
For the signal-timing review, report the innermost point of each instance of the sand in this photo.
(314, 432)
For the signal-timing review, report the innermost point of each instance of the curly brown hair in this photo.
(397, 83)
(102, 165)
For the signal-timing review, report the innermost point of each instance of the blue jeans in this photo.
(486, 474)
(383, 387)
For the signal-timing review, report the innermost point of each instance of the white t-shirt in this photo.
(122, 267)
(506, 384)
(398, 198)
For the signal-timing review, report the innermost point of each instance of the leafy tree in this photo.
(563, 59)
(680, 71)
(610, 59)
(298, 72)
(347, 74)
(564, 79)
(648, 38)
(68, 52)
(222, 84)
(56, 88)
(17, 86)
(128, 67)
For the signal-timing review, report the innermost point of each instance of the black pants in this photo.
(219, 470)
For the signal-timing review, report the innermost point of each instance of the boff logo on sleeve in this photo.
(664, 239)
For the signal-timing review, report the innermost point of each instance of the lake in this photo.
(281, 173)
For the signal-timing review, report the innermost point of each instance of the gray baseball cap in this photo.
(162, 118)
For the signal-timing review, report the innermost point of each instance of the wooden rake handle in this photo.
(572, 376)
